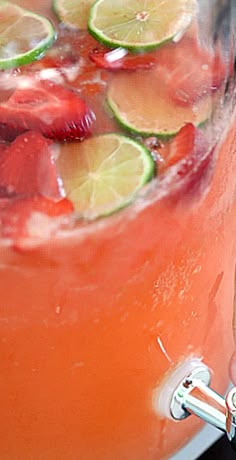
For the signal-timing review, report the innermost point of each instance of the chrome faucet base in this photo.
(179, 406)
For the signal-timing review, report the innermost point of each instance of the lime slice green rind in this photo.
(141, 104)
(138, 25)
(135, 49)
(132, 197)
(108, 180)
(73, 14)
(132, 130)
(25, 36)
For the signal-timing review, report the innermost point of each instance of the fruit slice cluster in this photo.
(156, 91)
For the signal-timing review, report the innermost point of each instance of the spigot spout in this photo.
(205, 403)
(193, 395)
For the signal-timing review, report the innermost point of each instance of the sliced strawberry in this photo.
(116, 60)
(59, 56)
(55, 111)
(191, 179)
(27, 167)
(27, 221)
(189, 161)
(188, 78)
(187, 142)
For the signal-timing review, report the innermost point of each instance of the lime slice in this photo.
(23, 35)
(139, 24)
(73, 13)
(141, 104)
(104, 173)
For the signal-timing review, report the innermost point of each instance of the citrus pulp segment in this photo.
(139, 24)
(23, 35)
(141, 104)
(104, 173)
(73, 13)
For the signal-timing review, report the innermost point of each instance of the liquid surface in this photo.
(79, 88)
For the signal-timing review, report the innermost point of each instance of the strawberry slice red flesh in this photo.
(188, 167)
(58, 113)
(27, 167)
(114, 60)
(188, 79)
(189, 141)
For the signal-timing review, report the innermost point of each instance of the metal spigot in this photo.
(193, 395)
(231, 416)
